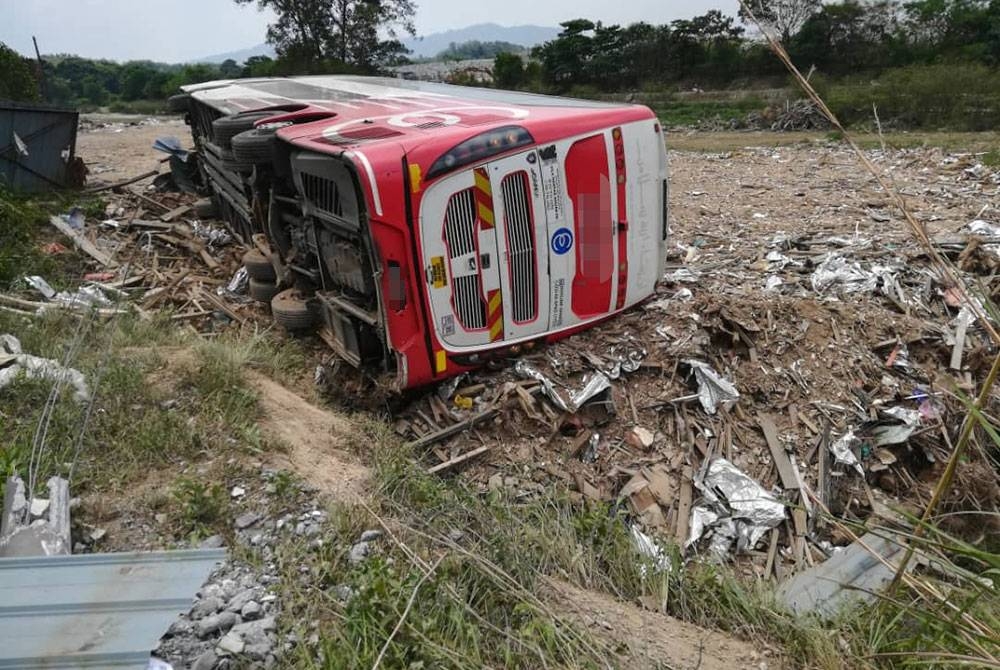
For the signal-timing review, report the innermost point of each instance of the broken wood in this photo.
(175, 213)
(785, 470)
(441, 467)
(221, 305)
(684, 506)
(120, 184)
(82, 243)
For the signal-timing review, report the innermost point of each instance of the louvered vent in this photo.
(322, 193)
(460, 234)
(520, 231)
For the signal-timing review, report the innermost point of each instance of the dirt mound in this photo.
(316, 439)
(650, 640)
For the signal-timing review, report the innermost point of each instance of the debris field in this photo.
(800, 356)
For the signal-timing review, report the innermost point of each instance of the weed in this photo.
(199, 505)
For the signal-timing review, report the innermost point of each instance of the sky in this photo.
(175, 31)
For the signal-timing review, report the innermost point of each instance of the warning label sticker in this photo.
(439, 278)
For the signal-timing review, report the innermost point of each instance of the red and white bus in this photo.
(425, 228)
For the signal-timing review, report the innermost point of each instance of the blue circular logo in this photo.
(562, 241)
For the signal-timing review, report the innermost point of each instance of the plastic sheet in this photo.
(13, 362)
(713, 389)
(648, 547)
(567, 402)
(842, 450)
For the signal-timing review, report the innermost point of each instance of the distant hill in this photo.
(241, 55)
(433, 44)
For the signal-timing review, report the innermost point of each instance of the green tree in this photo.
(17, 77)
(359, 33)
(93, 91)
(230, 69)
(134, 78)
(508, 70)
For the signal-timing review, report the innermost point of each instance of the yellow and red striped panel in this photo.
(494, 315)
(484, 199)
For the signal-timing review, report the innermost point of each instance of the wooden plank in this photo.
(174, 213)
(772, 552)
(453, 429)
(788, 479)
(220, 304)
(82, 243)
(684, 506)
(458, 460)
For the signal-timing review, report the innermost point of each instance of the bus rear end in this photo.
(542, 241)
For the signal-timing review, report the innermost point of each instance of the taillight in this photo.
(481, 147)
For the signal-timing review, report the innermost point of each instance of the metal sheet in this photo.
(48, 135)
(95, 610)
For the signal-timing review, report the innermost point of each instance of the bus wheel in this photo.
(254, 146)
(262, 291)
(258, 267)
(293, 311)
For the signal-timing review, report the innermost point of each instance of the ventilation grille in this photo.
(520, 247)
(322, 193)
(460, 234)
(368, 134)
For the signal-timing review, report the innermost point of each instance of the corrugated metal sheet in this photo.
(50, 137)
(94, 610)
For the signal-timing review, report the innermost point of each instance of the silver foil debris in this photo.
(713, 389)
(745, 510)
(567, 402)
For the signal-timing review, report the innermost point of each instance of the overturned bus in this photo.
(422, 229)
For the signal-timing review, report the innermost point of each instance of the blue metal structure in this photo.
(37, 146)
(94, 610)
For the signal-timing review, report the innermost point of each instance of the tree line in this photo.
(841, 39)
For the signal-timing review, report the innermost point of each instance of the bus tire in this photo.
(225, 128)
(254, 146)
(258, 267)
(179, 102)
(293, 311)
(262, 291)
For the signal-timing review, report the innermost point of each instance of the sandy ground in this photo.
(116, 147)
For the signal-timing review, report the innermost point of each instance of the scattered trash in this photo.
(597, 384)
(713, 390)
(734, 497)
(13, 363)
(648, 547)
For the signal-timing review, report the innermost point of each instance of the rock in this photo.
(370, 535)
(252, 610)
(640, 437)
(343, 592)
(238, 492)
(39, 507)
(230, 644)
(238, 601)
(160, 518)
(216, 623)
(206, 661)
(359, 552)
(206, 607)
(456, 535)
(246, 520)
(255, 632)
(258, 652)
(212, 542)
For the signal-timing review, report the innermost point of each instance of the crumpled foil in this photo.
(886, 433)
(86, 296)
(713, 389)
(984, 228)
(13, 362)
(571, 402)
(847, 276)
(843, 453)
(745, 510)
(627, 363)
(648, 547)
(215, 237)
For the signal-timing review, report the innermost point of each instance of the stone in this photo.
(246, 520)
(206, 607)
(230, 644)
(212, 542)
(39, 507)
(216, 623)
(255, 632)
(359, 553)
(237, 602)
(259, 651)
(238, 492)
(252, 610)
(370, 535)
(160, 518)
(343, 592)
(206, 661)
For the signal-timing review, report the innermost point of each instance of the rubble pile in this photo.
(801, 355)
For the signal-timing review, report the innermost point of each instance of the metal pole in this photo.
(41, 71)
